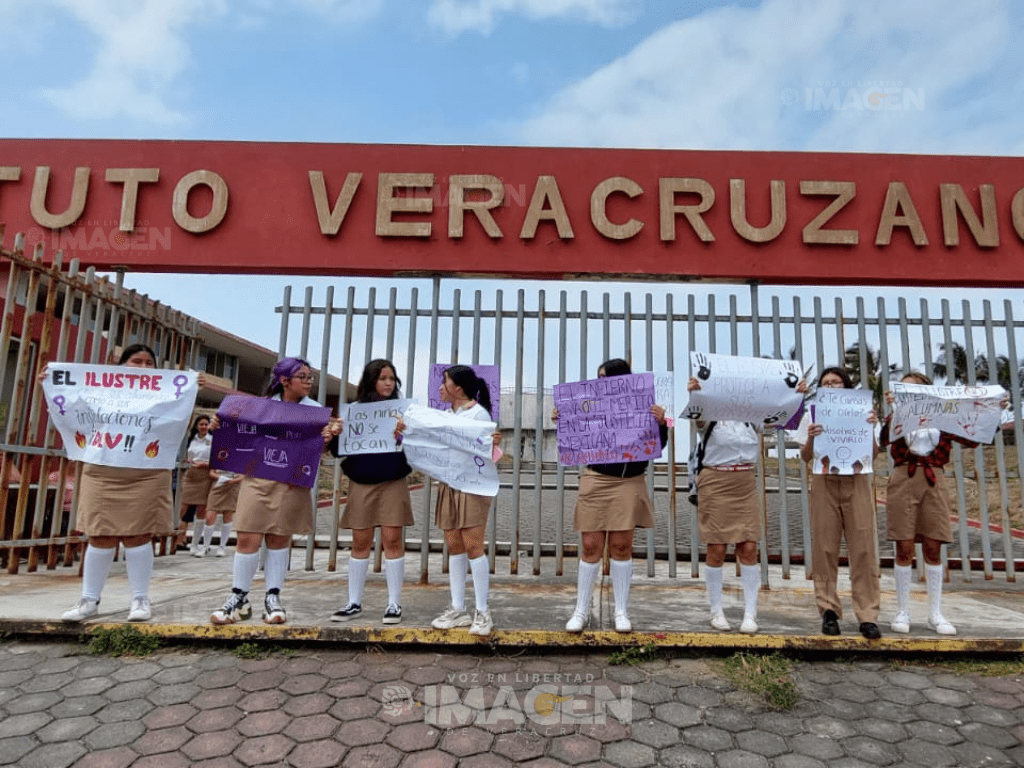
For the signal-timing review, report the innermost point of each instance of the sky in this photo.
(726, 75)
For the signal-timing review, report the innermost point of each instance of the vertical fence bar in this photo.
(1015, 399)
(493, 522)
(780, 452)
(649, 339)
(517, 433)
(1004, 491)
(961, 501)
(563, 315)
(538, 434)
(979, 460)
(670, 364)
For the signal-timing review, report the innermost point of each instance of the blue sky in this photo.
(601, 73)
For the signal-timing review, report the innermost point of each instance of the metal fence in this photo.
(537, 344)
(53, 312)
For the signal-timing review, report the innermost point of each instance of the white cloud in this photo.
(716, 81)
(346, 11)
(457, 16)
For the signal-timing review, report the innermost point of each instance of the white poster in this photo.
(751, 389)
(120, 416)
(971, 412)
(456, 450)
(370, 427)
(665, 394)
(846, 445)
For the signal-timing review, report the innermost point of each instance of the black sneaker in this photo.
(870, 630)
(237, 608)
(273, 611)
(830, 623)
(393, 615)
(350, 611)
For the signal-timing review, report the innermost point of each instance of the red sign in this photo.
(336, 209)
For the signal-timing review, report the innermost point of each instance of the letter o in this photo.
(179, 206)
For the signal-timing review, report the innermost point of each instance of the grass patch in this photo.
(260, 650)
(124, 640)
(636, 654)
(981, 667)
(770, 676)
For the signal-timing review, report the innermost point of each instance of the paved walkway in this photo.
(434, 708)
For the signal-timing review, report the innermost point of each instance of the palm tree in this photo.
(873, 381)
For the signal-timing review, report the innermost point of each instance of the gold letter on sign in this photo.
(844, 192)
(985, 232)
(738, 211)
(599, 208)
(458, 204)
(1017, 213)
(898, 199)
(331, 219)
(388, 204)
(179, 205)
(70, 215)
(667, 190)
(546, 192)
(131, 178)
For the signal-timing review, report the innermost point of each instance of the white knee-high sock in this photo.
(225, 534)
(243, 569)
(208, 536)
(622, 576)
(139, 562)
(902, 574)
(586, 575)
(197, 530)
(481, 581)
(457, 580)
(713, 584)
(394, 573)
(357, 569)
(933, 578)
(275, 567)
(750, 575)
(95, 570)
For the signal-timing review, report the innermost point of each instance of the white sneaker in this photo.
(85, 608)
(221, 551)
(450, 619)
(749, 626)
(622, 623)
(940, 625)
(482, 624)
(901, 622)
(719, 622)
(576, 623)
(199, 551)
(273, 611)
(235, 609)
(140, 610)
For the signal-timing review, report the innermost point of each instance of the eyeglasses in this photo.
(305, 377)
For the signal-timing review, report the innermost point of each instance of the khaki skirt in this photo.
(267, 506)
(457, 509)
(916, 510)
(196, 485)
(376, 504)
(606, 503)
(223, 498)
(727, 509)
(117, 501)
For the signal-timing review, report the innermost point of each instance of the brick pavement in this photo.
(197, 705)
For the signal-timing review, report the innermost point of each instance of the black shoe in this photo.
(870, 630)
(830, 623)
(350, 611)
(393, 615)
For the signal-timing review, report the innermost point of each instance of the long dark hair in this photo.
(842, 373)
(285, 369)
(132, 349)
(615, 367)
(195, 426)
(366, 392)
(475, 388)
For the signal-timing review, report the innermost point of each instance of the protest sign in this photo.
(846, 444)
(665, 394)
(370, 427)
(120, 416)
(490, 375)
(750, 389)
(454, 449)
(971, 412)
(270, 439)
(607, 420)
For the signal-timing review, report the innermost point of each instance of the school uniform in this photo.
(728, 511)
(458, 509)
(121, 501)
(197, 481)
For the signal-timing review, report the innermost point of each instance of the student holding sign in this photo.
(611, 504)
(462, 515)
(728, 511)
(270, 510)
(918, 509)
(378, 496)
(121, 505)
(842, 503)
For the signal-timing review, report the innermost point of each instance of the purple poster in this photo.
(489, 373)
(607, 421)
(269, 439)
